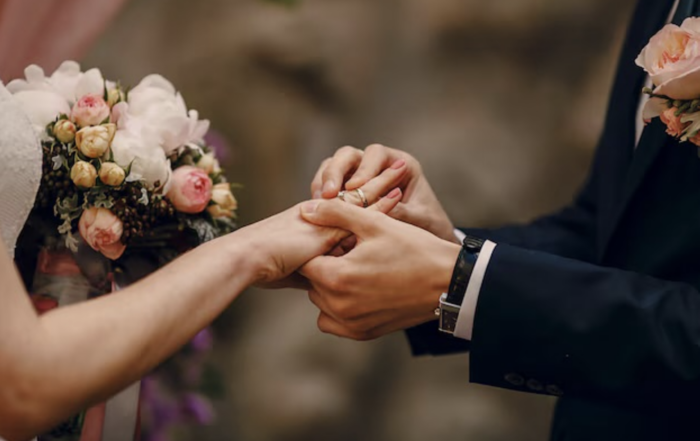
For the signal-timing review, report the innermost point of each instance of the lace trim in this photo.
(20, 168)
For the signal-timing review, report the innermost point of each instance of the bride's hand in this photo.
(285, 242)
(351, 168)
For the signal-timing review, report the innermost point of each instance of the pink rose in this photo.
(102, 230)
(674, 126)
(190, 189)
(90, 110)
(672, 59)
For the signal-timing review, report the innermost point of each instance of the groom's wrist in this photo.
(440, 275)
(451, 302)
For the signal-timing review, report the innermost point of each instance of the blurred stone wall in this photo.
(502, 102)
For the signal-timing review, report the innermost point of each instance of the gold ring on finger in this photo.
(363, 198)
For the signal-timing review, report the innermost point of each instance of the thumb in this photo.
(337, 214)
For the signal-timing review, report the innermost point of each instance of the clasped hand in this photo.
(390, 277)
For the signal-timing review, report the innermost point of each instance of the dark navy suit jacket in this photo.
(600, 303)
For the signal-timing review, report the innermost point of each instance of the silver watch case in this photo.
(448, 314)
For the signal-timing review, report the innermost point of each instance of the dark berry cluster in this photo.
(55, 184)
(140, 219)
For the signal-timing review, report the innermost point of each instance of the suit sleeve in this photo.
(590, 331)
(568, 233)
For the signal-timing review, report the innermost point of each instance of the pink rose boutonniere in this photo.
(672, 60)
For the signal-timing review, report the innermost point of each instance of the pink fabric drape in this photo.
(47, 32)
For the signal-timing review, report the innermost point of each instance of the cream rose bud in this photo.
(83, 174)
(111, 174)
(217, 212)
(114, 96)
(64, 131)
(90, 110)
(94, 142)
(222, 196)
(209, 164)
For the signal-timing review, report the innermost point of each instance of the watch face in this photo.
(448, 317)
(448, 323)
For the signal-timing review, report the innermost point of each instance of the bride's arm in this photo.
(52, 366)
(60, 362)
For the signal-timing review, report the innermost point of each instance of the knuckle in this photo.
(413, 163)
(336, 280)
(375, 148)
(346, 150)
(340, 309)
(399, 212)
(329, 171)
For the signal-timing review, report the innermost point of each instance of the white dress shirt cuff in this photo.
(465, 321)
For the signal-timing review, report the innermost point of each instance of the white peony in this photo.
(45, 98)
(67, 81)
(142, 152)
(42, 107)
(155, 103)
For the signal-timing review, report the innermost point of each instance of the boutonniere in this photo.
(672, 60)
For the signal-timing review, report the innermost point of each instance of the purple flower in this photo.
(219, 145)
(199, 408)
(203, 341)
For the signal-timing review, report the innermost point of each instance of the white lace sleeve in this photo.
(20, 168)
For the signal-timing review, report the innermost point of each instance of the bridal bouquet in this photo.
(672, 60)
(128, 183)
(122, 166)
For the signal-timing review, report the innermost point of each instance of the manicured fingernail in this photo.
(329, 187)
(309, 207)
(393, 194)
(398, 164)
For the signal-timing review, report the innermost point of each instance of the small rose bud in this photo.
(103, 231)
(90, 110)
(222, 196)
(83, 174)
(111, 174)
(94, 142)
(114, 96)
(64, 131)
(209, 164)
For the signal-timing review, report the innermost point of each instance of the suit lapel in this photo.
(653, 139)
(652, 16)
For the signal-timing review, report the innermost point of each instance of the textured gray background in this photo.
(502, 102)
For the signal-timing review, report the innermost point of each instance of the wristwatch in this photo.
(451, 302)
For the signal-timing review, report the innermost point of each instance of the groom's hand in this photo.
(351, 168)
(289, 242)
(391, 280)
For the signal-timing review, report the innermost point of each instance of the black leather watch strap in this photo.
(471, 246)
